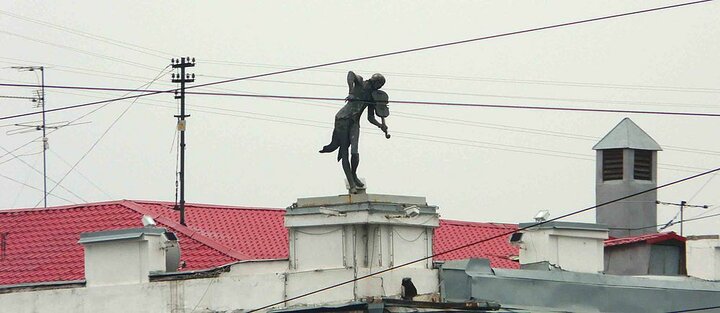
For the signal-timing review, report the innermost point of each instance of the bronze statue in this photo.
(362, 94)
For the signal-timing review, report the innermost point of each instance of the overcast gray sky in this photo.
(477, 164)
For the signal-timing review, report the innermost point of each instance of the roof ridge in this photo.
(209, 206)
(62, 207)
(187, 231)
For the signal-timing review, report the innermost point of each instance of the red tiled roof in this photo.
(647, 238)
(452, 234)
(41, 244)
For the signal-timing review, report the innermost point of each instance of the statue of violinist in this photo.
(362, 94)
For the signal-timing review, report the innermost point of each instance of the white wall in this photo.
(246, 286)
(126, 261)
(575, 250)
(703, 257)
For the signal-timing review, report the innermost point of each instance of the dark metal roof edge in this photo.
(202, 273)
(324, 308)
(42, 286)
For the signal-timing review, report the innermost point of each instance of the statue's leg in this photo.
(354, 143)
(355, 162)
(348, 171)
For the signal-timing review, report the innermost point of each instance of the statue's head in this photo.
(377, 80)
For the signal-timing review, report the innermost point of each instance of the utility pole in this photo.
(182, 78)
(683, 204)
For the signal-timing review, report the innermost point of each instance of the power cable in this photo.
(697, 309)
(417, 137)
(575, 136)
(107, 40)
(495, 126)
(97, 55)
(18, 157)
(162, 72)
(54, 130)
(451, 104)
(79, 70)
(83, 176)
(598, 101)
(24, 183)
(455, 121)
(34, 188)
(453, 43)
(671, 223)
(469, 143)
(487, 79)
(702, 187)
(505, 234)
(466, 104)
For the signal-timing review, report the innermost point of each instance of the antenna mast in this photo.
(41, 103)
(182, 78)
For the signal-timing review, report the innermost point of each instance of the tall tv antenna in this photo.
(39, 99)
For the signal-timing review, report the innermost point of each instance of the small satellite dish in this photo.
(412, 211)
(542, 216)
(148, 221)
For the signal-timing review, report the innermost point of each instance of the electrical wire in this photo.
(83, 176)
(162, 72)
(459, 42)
(286, 97)
(467, 104)
(79, 70)
(493, 126)
(702, 187)
(447, 44)
(671, 223)
(35, 188)
(107, 40)
(24, 183)
(505, 234)
(54, 130)
(697, 309)
(599, 101)
(410, 136)
(419, 137)
(484, 79)
(18, 157)
(97, 55)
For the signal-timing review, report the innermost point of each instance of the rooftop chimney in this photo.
(128, 256)
(627, 164)
(569, 246)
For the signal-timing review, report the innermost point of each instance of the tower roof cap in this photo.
(627, 134)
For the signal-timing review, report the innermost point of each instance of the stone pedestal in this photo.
(361, 231)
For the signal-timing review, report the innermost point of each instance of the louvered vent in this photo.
(643, 165)
(612, 164)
